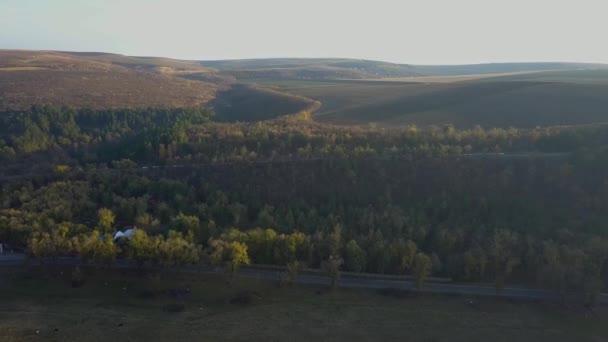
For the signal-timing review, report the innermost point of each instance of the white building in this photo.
(128, 233)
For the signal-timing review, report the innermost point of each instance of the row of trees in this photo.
(177, 250)
(186, 135)
(101, 250)
(568, 271)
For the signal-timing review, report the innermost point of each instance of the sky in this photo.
(405, 31)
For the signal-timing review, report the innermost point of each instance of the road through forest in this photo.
(347, 281)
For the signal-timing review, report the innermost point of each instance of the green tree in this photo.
(403, 253)
(287, 246)
(334, 240)
(379, 256)
(261, 245)
(105, 220)
(422, 267)
(96, 248)
(290, 275)
(475, 262)
(332, 267)
(188, 225)
(355, 258)
(49, 245)
(141, 248)
(503, 251)
(176, 250)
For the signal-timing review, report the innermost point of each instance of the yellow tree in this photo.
(49, 245)
(106, 220)
(175, 251)
(96, 248)
(237, 256)
(141, 248)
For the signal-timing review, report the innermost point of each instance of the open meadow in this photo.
(41, 305)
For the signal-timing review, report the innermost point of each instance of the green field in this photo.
(113, 306)
(523, 100)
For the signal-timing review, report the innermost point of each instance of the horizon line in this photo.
(215, 59)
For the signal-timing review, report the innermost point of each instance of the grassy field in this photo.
(113, 306)
(524, 100)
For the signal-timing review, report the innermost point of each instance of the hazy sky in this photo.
(406, 31)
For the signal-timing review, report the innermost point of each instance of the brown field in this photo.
(523, 100)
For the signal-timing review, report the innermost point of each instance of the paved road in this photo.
(350, 282)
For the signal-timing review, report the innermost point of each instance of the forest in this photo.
(507, 206)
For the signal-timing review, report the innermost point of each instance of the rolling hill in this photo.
(104, 81)
(328, 68)
(97, 81)
(522, 100)
(350, 91)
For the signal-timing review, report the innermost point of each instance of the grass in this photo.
(110, 306)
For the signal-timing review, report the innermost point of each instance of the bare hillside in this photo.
(100, 81)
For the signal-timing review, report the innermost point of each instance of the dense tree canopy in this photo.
(496, 205)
